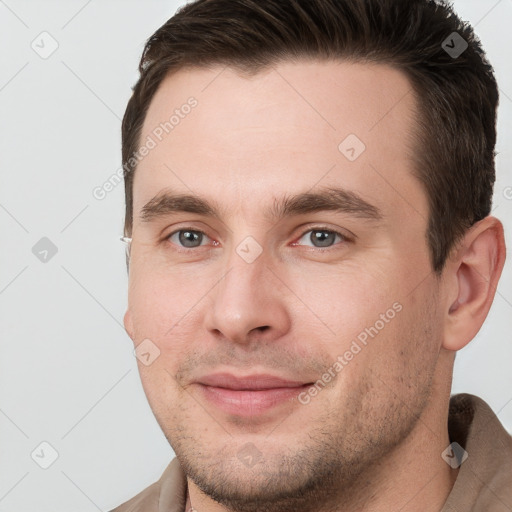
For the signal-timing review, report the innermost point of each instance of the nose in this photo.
(248, 305)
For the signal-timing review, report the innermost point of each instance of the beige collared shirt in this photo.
(484, 481)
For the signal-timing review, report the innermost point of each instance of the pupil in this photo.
(188, 238)
(324, 238)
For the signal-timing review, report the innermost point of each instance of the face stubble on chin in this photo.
(338, 447)
(329, 451)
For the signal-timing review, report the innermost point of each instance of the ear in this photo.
(472, 275)
(128, 324)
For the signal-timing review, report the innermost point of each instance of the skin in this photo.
(372, 438)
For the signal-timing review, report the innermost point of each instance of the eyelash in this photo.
(180, 248)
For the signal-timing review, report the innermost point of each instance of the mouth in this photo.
(250, 395)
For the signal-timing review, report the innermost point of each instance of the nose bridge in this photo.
(246, 267)
(245, 278)
(245, 299)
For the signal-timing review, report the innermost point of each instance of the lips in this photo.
(248, 383)
(250, 395)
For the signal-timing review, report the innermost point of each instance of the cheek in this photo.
(161, 390)
(168, 313)
(158, 303)
(375, 322)
(388, 363)
(347, 301)
(409, 347)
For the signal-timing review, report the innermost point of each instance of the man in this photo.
(308, 189)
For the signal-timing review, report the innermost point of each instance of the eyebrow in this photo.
(327, 199)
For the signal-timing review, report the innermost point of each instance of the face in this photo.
(279, 233)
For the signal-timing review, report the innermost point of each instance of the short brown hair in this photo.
(457, 96)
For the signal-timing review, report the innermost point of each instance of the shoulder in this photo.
(484, 481)
(146, 500)
(167, 493)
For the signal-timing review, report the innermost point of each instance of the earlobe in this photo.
(476, 268)
(128, 324)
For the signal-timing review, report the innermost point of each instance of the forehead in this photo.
(242, 139)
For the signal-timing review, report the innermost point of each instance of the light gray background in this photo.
(68, 375)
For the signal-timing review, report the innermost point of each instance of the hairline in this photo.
(418, 139)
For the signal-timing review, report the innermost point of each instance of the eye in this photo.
(321, 237)
(318, 237)
(187, 238)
